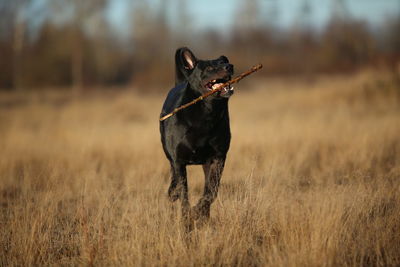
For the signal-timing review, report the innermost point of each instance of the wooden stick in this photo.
(213, 91)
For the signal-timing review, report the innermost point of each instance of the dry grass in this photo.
(312, 179)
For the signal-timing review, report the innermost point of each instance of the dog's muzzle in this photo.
(227, 91)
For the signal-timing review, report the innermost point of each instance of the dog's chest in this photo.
(196, 151)
(200, 144)
(200, 137)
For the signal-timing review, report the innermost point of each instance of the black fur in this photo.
(199, 134)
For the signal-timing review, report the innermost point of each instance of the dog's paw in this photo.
(187, 223)
(173, 194)
(200, 212)
(196, 212)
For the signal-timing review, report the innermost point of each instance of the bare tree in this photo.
(340, 11)
(18, 43)
(82, 12)
(16, 22)
(249, 15)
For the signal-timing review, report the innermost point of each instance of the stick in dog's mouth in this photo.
(216, 83)
(212, 91)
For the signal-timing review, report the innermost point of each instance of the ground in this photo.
(312, 178)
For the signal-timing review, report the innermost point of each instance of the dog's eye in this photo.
(209, 68)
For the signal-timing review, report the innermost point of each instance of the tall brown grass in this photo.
(312, 179)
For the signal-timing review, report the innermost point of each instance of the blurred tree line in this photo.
(70, 43)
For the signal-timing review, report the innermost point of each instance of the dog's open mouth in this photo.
(214, 84)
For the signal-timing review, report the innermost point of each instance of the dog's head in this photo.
(203, 75)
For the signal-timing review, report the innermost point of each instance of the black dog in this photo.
(199, 134)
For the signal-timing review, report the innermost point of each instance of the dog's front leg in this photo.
(179, 189)
(212, 172)
(175, 188)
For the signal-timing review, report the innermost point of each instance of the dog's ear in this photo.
(185, 62)
(189, 60)
(224, 59)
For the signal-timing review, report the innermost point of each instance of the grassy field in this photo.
(312, 179)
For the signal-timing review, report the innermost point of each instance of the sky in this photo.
(220, 15)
